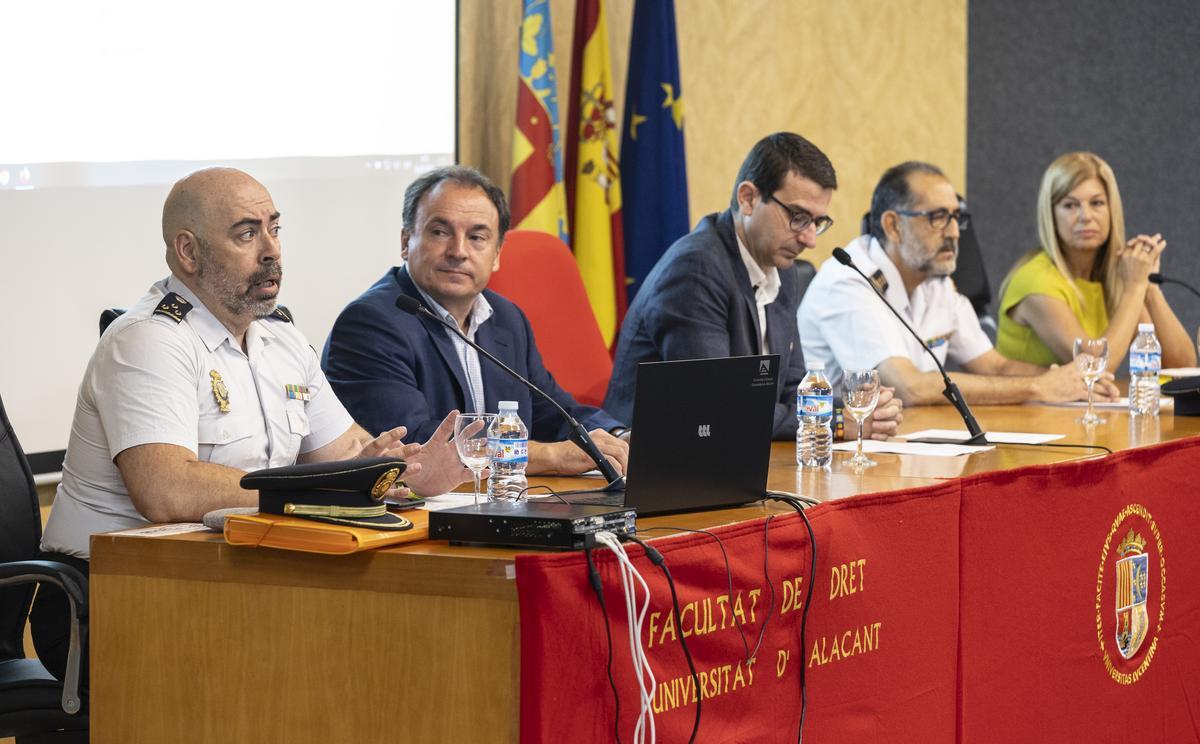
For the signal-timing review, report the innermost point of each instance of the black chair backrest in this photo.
(108, 315)
(20, 534)
(807, 272)
(970, 275)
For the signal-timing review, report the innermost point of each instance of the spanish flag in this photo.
(537, 199)
(593, 173)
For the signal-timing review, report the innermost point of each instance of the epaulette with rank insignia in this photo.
(174, 307)
(879, 280)
(282, 313)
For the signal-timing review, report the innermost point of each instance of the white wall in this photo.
(68, 253)
(333, 108)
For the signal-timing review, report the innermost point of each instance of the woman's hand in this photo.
(1140, 257)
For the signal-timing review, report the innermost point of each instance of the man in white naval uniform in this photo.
(910, 253)
(202, 380)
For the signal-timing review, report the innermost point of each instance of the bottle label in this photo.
(816, 405)
(1141, 362)
(511, 451)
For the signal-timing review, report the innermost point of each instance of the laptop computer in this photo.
(701, 435)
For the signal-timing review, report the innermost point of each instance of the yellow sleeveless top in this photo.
(1039, 276)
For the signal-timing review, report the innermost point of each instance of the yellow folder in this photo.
(310, 536)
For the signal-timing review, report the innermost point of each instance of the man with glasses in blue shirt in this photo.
(731, 287)
(909, 254)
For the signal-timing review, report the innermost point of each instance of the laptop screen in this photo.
(701, 433)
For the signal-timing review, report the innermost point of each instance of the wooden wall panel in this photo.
(871, 83)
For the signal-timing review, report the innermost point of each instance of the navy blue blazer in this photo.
(390, 368)
(697, 303)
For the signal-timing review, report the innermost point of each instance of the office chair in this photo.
(970, 275)
(34, 706)
(108, 315)
(539, 274)
(806, 272)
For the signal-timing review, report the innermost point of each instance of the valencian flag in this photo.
(593, 174)
(652, 159)
(537, 198)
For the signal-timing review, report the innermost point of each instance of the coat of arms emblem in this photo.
(1132, 576)
(1130, 600)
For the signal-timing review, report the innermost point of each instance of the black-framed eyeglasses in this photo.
(939, 219)
(799, 219)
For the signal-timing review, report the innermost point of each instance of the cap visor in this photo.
(392, 522)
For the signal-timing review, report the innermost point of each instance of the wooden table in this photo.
(194, 640)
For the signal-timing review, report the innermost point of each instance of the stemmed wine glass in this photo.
(861, 396)
(471, 440)
(1091, 357)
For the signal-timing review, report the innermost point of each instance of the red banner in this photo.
(870, 665)
(1042, 550)
(1020, 605)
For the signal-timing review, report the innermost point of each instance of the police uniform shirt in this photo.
(844, 324)
(161, 374)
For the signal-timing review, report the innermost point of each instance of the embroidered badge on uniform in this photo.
(937, 341)
(219, 391)
(297, 392)
(384, 483)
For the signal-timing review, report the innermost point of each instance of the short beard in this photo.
(934, 267)
(232, 292)
(916, 261)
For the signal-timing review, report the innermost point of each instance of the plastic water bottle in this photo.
(814, 411)
(1145, 362)
(508, 448)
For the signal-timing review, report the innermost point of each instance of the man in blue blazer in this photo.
(732, 286)
(387, 366)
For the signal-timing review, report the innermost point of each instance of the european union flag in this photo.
(653, 169)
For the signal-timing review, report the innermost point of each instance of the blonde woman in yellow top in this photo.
(1086, 279)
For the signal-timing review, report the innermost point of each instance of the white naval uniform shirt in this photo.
(149, 382)
(843, 324)
(766, 289)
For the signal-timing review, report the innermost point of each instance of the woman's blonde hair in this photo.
(1061, 177)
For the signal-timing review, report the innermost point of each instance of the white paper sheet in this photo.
(162, 530)
(897, 447)
(995, 437)
(1177, 372)
(453, 499)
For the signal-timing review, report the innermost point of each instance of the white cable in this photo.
(641, 664)
(635, 623)
(627, 587)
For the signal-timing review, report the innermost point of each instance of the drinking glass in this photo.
(471, 440)
(1091, 357)
(861, 396)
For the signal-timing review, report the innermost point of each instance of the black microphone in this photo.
(578, 434)
(951, 391)
(1157, 278)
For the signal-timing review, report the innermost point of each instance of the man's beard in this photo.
(935, 265)
(234, 293)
